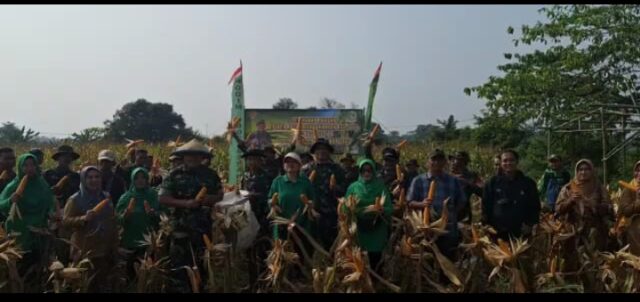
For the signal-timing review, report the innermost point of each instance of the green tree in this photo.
(89, 135)
(328, 103)
(153, 122)
(11, 134)
(285, 103)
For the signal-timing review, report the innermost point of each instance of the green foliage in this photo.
(285, 103)
(89, 135)
(11, 134)
(152, 122)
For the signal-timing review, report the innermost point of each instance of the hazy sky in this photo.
(66, 68)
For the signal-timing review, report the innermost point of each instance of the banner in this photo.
(342, 127)
(237, 110)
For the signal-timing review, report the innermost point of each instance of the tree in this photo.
(448, 129)
(327, 103)
(11, 134)
(89, 135)
(285, 103)
(153, 122)
(591, 56)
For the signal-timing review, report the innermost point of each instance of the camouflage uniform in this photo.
(327, 200)
(258, 183)
(189, 224)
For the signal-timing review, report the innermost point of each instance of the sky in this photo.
(66, 68)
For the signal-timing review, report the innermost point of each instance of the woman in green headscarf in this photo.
(137, 219)
(35, 206)
(373, 226)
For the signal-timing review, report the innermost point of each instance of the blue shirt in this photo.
(447, 186)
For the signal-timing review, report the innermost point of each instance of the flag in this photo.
(237, 110)
(372, 94)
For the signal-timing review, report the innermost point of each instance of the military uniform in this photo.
(53, 176)
(189, 224)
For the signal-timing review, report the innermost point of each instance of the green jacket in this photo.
(35, 205)
(373, 229)
(138, 222)
(289, 199)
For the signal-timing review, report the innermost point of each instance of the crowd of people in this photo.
(92, 205)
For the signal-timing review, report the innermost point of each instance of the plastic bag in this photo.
(238, 215)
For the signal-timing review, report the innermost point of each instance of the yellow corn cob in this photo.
(312, 176)
(4, 175)
(426, 215)
(401, 144)
(305, 199)
(22, 186)
(504, 247)
(274, 200)
(131, 206)
(134, 143)
(374, 131)
(432, 190)
(627, 185)
(207, 242)
(61, 183)
(201, 194)
(101, 205)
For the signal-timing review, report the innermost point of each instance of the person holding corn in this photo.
(190, 210)
(89, 213)
(432, 189)
(373, 211)
(328, 180)
(629, 208)
(27, 201)
(137, 213)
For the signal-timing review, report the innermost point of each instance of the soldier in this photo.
(192, 218)
(257, 183)
(64, 156)
(350, 170)
(411, 172)
(175, 161)
(111, 182)
(327, 193)
(141, 160)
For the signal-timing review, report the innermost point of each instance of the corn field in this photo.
(411, 261)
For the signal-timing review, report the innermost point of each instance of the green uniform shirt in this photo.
(289, 198)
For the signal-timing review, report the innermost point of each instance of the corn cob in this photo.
(432, 190)
(627, 185)
(401, 144)
(426, 215)
(61, 183)
(202, 194)
(399, 174)
(134, 143)
(207, 242)
(4, 175)
(305, 199)
(374, 131)
(147, 207)
(312, 176)
(22, 186)
(131, 206)
(504, 247)
(332, 182)
(274, 200)
(101, 205)
(402, 200)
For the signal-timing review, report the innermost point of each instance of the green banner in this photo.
(342, 127)
(237, 110)
(373, 87)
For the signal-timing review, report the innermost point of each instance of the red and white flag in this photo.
(236, 74)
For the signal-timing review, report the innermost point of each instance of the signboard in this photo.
(342, 127)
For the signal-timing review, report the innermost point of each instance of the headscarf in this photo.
(139, 222)
(147, 193)
(367, 191)
(587, 187)
(86, 200)
(34, 205)
(37, 195)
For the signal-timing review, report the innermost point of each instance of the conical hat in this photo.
(192, 147)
